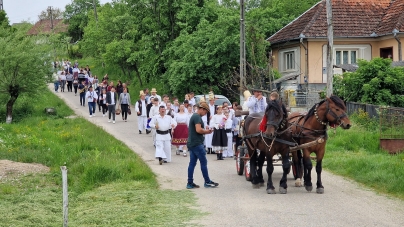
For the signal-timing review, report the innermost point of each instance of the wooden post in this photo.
(65, 196)
(330, 60)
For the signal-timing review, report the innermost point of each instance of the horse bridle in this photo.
(337, 119)
(281, 124)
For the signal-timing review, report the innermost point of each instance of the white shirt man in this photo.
(140, 108)
(154, 110)
(162, 123)
(257, 103)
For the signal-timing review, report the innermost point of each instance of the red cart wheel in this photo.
(239, 162)
(247, 169)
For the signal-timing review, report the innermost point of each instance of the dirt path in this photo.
(235, 203)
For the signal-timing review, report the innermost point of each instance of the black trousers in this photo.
(75, 89)
(69, 86)
(124, 111)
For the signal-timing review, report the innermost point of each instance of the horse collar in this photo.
(318, 119)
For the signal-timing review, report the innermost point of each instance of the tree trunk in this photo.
(10, 104)
(138, 75)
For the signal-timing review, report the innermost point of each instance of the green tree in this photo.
(204, 59)
(76, 15)
(24, 64)
(4, 22)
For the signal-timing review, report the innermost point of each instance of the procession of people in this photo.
(174, 123)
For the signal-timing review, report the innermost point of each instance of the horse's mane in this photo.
(276, 105)
(335, 99)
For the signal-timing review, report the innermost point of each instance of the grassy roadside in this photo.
(109, 185)
(355, 154)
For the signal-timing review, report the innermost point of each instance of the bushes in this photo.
(375, 82)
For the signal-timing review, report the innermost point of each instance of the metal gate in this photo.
(392, 129)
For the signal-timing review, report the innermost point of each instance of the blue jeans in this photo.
(83, 98)
(91, 107)
(196, 153)
(56, 83)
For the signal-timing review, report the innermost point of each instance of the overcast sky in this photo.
(28, 10)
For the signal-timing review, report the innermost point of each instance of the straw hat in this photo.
(141, 93)
(203, 105)
(211, 96)
(202, 99)
(153, 90)
(246, 94)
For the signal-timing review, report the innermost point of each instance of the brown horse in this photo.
(306, 128)
(263, 144)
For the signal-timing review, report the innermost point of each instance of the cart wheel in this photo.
(239, 162)
(247, 170)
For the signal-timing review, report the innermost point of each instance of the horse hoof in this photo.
(320, 190)
(271, 191)
(298, 183)
(256, 186)
(262, 184)
(283, 190)
(309, 188)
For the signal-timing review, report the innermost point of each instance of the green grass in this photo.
(355, 154)
(109, 185)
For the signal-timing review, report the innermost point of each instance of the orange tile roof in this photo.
(44, 27)
(351, 18)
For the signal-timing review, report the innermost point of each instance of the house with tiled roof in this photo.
(45, 27)
(363, 29)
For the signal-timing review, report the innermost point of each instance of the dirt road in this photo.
(235, 203)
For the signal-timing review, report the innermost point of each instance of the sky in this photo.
(28, 10)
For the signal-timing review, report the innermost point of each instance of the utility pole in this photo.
(95, 13)
(330, 59)
(51, 16)
(1, 5)
(242, 50)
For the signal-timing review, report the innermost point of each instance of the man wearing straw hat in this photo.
(257, 103)
(154, 94)
(195, 146)
(140, 108)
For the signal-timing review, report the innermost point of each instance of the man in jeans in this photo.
(196, 130)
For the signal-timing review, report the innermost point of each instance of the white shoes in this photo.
(103, 115)
(109, 121)
(185, 154)
(91, 115)
(113, 122)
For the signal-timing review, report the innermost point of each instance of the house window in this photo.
(346, 57)
(289, 60)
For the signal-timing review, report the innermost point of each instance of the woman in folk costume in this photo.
(212, 111)
(180, 135)
(219, 140)
(247, 95)
(228, 152)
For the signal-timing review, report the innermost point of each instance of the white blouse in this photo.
(181, 118)
(217, 121)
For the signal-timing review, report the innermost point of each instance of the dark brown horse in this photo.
(308, 127)
(263, 144)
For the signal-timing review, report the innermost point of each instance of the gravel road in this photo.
(235, 203)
